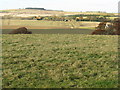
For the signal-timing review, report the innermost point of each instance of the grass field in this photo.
(55, 31)
(60, 61)
(44, 23)
(50, 27)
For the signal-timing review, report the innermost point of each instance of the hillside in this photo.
(31, 12)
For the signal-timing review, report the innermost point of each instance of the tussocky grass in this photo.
(60, 61)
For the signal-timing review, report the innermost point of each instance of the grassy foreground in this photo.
(60, 61)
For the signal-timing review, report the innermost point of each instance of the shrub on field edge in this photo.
(21, 30)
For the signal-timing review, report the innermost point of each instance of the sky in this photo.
(65, 5)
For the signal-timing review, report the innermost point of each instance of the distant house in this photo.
(35, 8)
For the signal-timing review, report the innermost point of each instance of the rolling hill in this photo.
(33, 12)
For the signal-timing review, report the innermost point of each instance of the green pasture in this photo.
(60, 61)
(111, 18)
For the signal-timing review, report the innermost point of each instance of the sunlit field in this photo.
(44, 23)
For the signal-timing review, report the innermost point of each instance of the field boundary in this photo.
(40, 27)
(33, 27)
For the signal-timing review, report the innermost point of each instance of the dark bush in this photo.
(21, 30)
(111, 29)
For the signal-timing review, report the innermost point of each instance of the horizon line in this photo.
(62, 10)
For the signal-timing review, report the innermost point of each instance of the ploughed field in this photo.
(60, 61)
